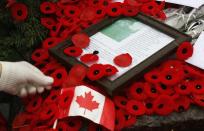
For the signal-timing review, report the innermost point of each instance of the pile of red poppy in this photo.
(173, 86)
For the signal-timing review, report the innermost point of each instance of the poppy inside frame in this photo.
(126, 35)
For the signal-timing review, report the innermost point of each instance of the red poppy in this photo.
(100, 12)
(133, 3)
(182, 103)
(163, 105)
(81, 40)
(19, 11)
(78, 71)
(48, 22)
(72, 11)
(171, 77)
(53, 97)
(148, 8)
(197, 86)
(48, 7)
(73, 51)
(22, 119)
(144, 1)
(95, 2)
(71, 81)
(40, 55)
(74, 124)
(153, 76)
(50, 42)
(151, 90)
(130, 11)
(88, 14)
(54, 32)
(110, 70)
(123, 60)
(184, 88)
(184, 51)
(149, 103)
(96, 71)
(198, 99)
(114, 9)
(34, 104)
(65, 99)
(164, 89)
(137, 92)
(161, 5)
(119, 120)
(135, 108)
(89, 58)
(59, 76)
(47, 111)
(40, 65)
(120, 101)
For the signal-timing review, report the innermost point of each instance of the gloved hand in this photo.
(22, 78)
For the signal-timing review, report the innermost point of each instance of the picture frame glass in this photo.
(126, 35)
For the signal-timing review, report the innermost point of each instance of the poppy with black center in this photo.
(197, 86)
(74, 124)
(62, 126)
(120, 101)
(50, 42)
(114, 9)
(171, 77)
(184, 51)
(163, 105)
(130, 11)
(40, 55)
(100, 12)
(136, 91)
(152, 76)
(96, 72)
(184, 88)
(34, 104)
(129, 119)
(133, 3)
(19, 11)
(59, 76)
(48, 8)
(151, 90)
(135, 108)
(73, 51)
(72, 11)
(149, 106)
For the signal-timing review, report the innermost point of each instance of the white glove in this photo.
(22, 78)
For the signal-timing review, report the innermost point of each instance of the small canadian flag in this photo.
(90, 104)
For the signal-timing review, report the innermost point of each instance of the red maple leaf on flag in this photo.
(87, 102)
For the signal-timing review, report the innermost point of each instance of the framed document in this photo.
(144, 38)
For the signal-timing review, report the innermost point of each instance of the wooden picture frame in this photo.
(136, 71)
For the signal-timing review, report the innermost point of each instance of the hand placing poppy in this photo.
(123, 60)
